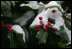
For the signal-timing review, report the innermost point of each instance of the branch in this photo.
(65, 11)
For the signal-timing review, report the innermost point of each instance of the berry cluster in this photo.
(46, 26)
(3, 24)
(9, 26)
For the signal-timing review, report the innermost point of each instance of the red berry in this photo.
(2, 22)
(10, 29)
(10, 25)
(40, 29)
(45, 28)
(37, 26)
(54, 28)
(53, 11)
(40, 18)
(49, 23)
(3, 25)
(47, 2)
(40, 21)
(46, 25)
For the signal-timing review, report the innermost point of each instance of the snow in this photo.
(56, 16)
(32, 4)
(41, 7)
(54, 3)
(68, 15)
(45, 14)
(36, 20)
(60, 2)
(48, 14)
(1, 15)
(41, 3)
(19, 30)
(35, 5)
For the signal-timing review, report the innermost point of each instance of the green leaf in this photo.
(16, 40)
(62, 34)
(5, 4)
(42, 36)
(62, 44)
(69, 19)
(67, 22)
(13, 3)
(7, 13)
(5, 8)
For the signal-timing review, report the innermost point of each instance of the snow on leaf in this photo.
(19, 30)
(32, 4)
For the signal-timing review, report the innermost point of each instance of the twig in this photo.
(65, 11)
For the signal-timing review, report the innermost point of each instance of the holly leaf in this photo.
(62, 34)
(16, 40)
(5, 4)
(62, 44)
(67, 22)
(13, 3)
(6, 13)
(5, 8)
(42, 36)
